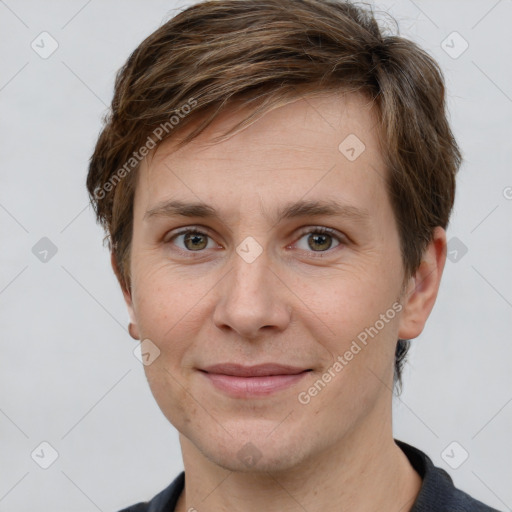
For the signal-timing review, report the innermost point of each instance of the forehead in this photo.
(328, 144)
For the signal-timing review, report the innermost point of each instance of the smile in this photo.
(247, 383)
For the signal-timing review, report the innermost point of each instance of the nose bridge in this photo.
(250, 297)
(248, 282)
(249, 276)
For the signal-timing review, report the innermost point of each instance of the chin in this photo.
(261, 461)
(256, 450)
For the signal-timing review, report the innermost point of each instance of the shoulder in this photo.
(164, 501)
(438, 493)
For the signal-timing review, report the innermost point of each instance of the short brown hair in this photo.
(263, 54)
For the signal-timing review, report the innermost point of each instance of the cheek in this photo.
(169, 314)
(350, 302)
(165, 303)
(359, 325)
(170, 392)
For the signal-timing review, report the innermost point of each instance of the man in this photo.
(275, 179)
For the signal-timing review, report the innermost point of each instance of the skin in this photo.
(295, 304)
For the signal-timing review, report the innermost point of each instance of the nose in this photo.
(253, 299)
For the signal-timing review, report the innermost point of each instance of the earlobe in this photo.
(133, 331)
(132, 326)
(423, 287)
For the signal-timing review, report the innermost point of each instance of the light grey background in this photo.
(68, 373)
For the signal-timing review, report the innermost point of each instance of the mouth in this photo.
(252, 381)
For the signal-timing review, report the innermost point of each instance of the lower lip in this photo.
(243, 387)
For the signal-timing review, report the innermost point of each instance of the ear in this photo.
(134, 331)
(422, 288)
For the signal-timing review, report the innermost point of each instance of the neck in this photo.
(363, 471)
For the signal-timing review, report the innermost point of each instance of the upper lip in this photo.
(253, 371)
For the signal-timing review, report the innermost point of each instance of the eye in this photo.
(319, 239)
(193, 240)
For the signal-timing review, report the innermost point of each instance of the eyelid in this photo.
(186, 229)
(323, 229)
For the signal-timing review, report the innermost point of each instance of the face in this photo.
(291, 257)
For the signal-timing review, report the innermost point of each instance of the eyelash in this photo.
(315, 229)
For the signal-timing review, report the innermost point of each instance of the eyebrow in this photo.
(301, 208)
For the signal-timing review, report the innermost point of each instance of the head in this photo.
(250, 108)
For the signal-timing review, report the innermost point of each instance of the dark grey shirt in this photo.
(437, 493)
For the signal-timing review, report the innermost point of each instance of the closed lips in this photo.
(268, 369)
